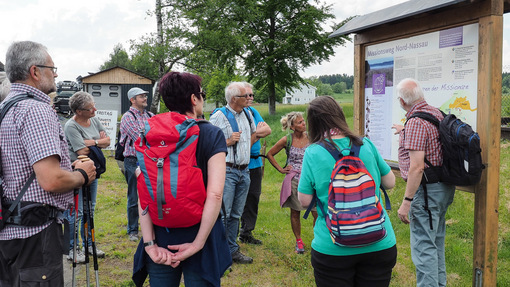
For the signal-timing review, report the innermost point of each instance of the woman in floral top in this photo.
(295, 144)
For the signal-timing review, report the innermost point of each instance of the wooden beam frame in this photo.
(489, 16)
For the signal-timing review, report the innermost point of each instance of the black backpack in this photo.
(119, 147)
(462, 158)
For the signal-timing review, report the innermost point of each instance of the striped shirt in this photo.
(31, 132)
(131, 127)
(242, 152)
(420, 135)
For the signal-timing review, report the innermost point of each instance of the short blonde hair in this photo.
(288, 120)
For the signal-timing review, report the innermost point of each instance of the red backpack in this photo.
(170, 186)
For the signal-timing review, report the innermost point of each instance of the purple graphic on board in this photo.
(378, 84)
(451, 37)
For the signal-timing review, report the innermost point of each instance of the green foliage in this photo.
(119, 57)
(339, 87)
(337, 78)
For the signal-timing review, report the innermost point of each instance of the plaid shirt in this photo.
(243, 147)
(420, 135)
(131, 127)
(31, 132)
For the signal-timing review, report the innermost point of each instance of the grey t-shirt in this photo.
(76, 134)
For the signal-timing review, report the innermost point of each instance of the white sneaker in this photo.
(80, 257)
(100, 253)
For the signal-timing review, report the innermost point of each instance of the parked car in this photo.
(65, 90)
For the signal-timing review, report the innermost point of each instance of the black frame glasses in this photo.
(245, 96)
(53, 69)
(202, 94)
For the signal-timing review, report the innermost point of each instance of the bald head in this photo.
(409, 91)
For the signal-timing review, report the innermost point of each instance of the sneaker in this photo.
(300, 247)
(80, 257)
(238, 257)
(133, 236)
(249, 239)
(100, 253)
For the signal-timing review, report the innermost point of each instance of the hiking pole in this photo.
(85, 190)
(75, 235)
(90, 221)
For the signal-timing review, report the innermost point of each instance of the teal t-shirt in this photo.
(315, 175)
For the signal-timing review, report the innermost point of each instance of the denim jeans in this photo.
(166, 276)
(71, 217)
(427, 246)
(235, 191)
(130, 165)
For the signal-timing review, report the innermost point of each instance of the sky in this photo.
(80, 35)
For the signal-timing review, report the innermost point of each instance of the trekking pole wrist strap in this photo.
(408, 199)
(84, 173)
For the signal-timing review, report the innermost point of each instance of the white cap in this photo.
(133, 92)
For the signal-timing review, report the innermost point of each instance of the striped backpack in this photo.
(354, 216)
(170, 187)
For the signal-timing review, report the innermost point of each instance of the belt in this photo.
(237, 166)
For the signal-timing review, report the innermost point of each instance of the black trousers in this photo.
(251, 207)
(369, 269)
(33, 261)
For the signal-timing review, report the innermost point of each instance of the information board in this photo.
(108, 119)
(444, 62)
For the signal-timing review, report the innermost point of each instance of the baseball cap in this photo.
(133, 92)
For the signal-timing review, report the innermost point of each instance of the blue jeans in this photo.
(427, 246)
(166, 276)
(71, 217)
(237, 183)
(130, 165)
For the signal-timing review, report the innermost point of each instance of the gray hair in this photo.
(79, 100)
(248, 85)
(288, 120)
(5, 86)
(409, 91)
(21, 56)
(233, 89)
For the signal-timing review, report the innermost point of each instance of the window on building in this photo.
(96, 94)
(114, 88)
(96, 87)
(114, 94)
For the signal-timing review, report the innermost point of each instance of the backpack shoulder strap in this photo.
(426, 116)
(245, 110)
(335, 153)
(231, 118)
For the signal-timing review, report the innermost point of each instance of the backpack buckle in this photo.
(159, 164)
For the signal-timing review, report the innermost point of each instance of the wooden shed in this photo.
(109, 88)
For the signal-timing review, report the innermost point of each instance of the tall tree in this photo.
(272, 40)
(119, 57)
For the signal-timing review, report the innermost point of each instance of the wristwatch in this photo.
(149, 243)
(96, 142)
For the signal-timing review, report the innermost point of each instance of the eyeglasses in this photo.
(202, 94)
(245, 96)
(142, 96)
(53, 69)
(90, 109)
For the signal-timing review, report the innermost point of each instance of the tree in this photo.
(272, 39)
(339, 87)
(119, 57)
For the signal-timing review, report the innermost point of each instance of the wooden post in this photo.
(485, 245)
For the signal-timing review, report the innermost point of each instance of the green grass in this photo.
(275, 263)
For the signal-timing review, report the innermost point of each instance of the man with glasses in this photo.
(249, 217)
(131, 125)
(36, 164)
(237, 179)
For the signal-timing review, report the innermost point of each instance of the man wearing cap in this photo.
(131, 124)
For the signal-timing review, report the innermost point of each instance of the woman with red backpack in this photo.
(199, 252)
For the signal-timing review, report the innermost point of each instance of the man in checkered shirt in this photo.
(419, 142)
(32, 141)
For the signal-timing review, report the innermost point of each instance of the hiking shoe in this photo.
(300, 247)
(100, 253)
(238, 257)
(249, 239)
(80, 257)
(133, 236)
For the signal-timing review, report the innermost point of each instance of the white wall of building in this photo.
(303, 95)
